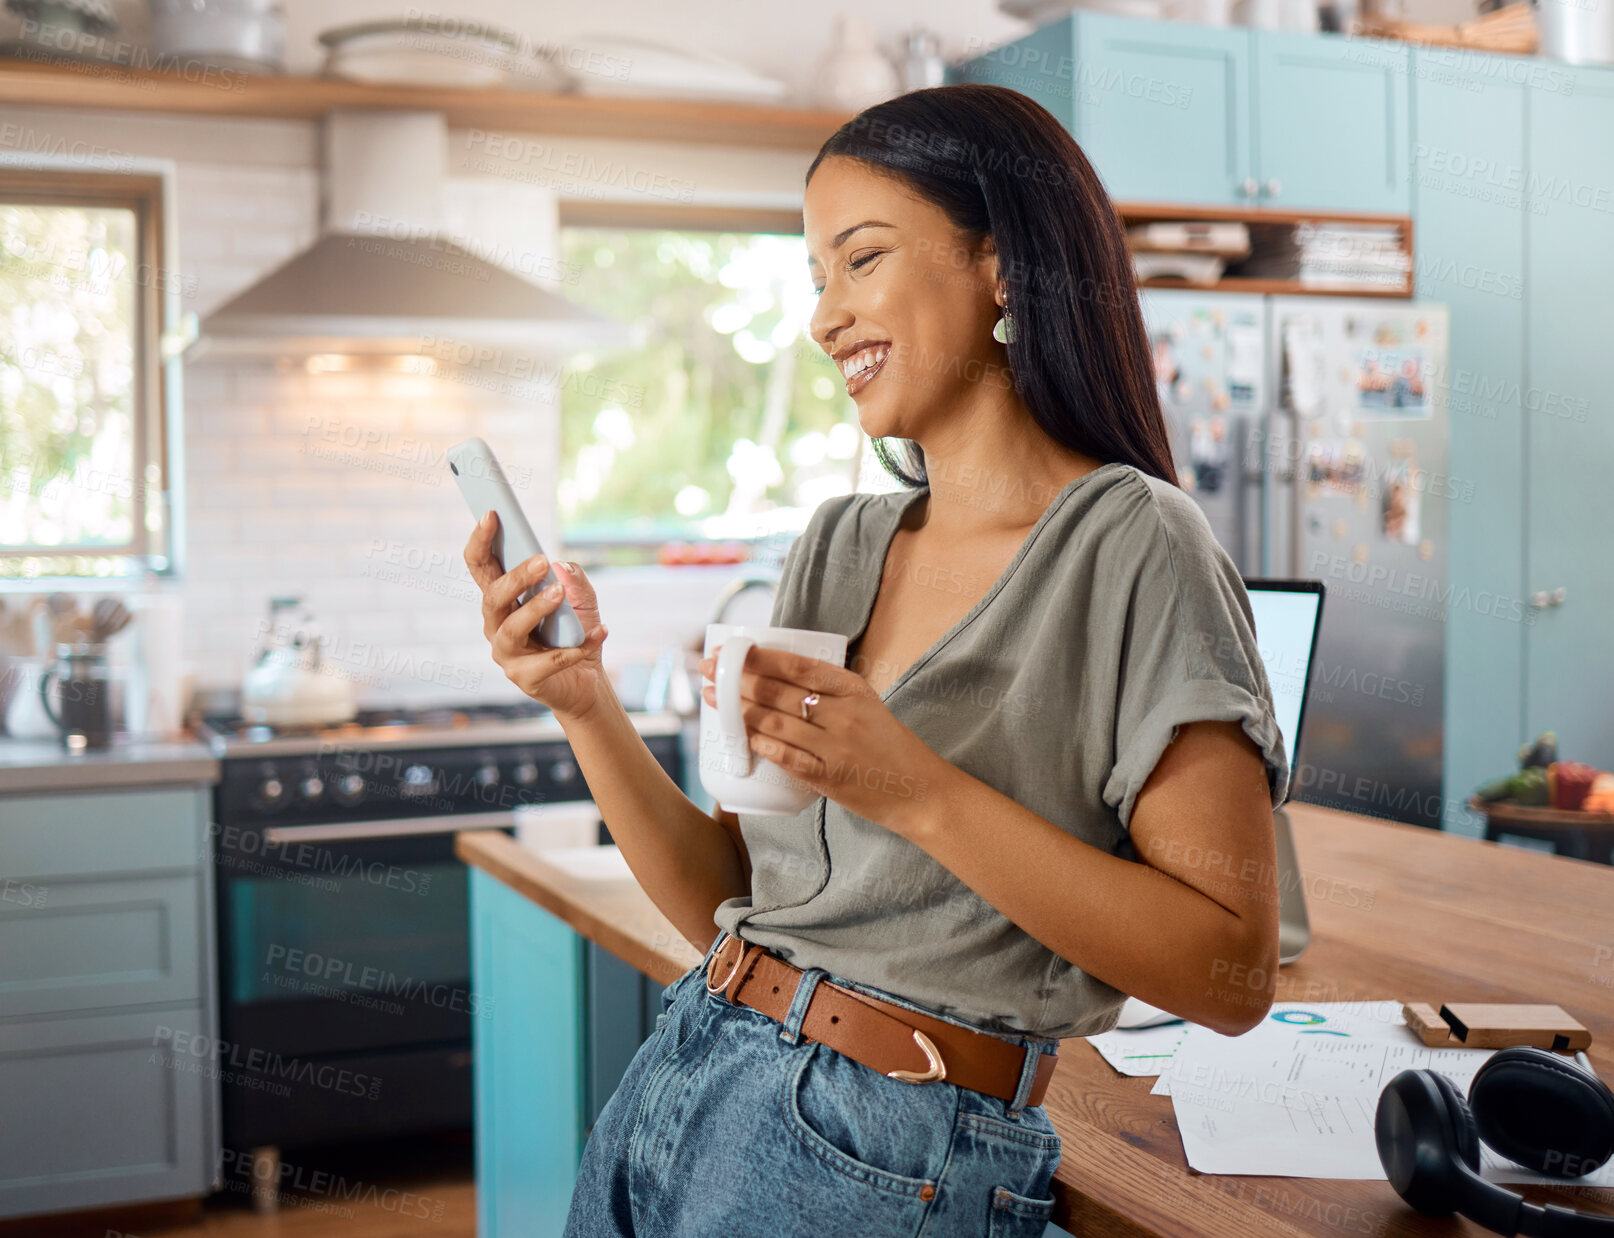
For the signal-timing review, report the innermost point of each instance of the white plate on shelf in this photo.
(414, 53)
(618, 65)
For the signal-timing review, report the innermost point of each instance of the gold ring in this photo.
(807, 702)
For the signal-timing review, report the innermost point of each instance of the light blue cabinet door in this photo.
(88, 944)
(1468, 156)
(106, 1109)
(1162, 108)
(1569, 414)
(1331, 121)
(530, 1061)
(1041, 66)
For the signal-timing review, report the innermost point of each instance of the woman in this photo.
(1046, 773)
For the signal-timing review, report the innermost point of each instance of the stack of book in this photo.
(1343, 256)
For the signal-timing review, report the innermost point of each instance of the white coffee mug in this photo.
(731, 771)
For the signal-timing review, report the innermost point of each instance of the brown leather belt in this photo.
(895, 1041)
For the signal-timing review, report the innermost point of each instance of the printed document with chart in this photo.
(1296, 1095)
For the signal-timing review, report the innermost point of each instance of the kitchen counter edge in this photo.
(30, 766)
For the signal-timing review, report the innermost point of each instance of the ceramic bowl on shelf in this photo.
(437, 52)
(248, 36)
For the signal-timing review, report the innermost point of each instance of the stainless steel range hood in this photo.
(385, 280)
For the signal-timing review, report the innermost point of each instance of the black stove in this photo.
(232, 734)
(343, 913)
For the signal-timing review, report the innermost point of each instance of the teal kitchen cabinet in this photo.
(529, 1059)
(1513, 209)
(1468, 151)
(107, 998)
(565, 1020)
(1331, 122)
(1569, 413)
(1162, 109)
(1220, 115)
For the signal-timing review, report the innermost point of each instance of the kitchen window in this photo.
(83, 482)
(727, 423)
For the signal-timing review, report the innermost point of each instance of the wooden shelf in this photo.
(1147, 212)
(1266, 218)
(1275, 287)
(274, 97)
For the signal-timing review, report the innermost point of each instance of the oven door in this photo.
(346, 937)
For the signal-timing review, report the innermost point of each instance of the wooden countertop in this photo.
(1397, 912)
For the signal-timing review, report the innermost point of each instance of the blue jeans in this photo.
(728, 1124)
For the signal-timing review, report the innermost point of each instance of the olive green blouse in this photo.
(1120, 618)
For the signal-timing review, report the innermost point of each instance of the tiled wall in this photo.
(331, 485)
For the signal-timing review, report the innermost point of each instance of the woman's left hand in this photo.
(851, 748)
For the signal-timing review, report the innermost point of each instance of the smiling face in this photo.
(906, 303)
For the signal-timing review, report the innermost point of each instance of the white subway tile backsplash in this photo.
(333, 486)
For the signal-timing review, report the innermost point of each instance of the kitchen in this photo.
(277, 946)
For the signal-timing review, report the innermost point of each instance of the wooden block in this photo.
(1428, 1026)
(1491, 1025)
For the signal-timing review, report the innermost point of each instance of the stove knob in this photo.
(311, 789)
(488, 775)
(419, 780)
(563, 772)
(271, 792)
(526, 773)
(349, 788)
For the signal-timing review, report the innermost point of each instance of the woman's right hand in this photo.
(566, 680)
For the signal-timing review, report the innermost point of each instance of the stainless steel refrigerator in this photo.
(1310, 431)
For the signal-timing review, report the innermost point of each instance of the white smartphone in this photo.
(485, 486)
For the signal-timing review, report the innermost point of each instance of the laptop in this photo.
(1288, 616)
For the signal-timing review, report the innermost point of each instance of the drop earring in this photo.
(1003, 328)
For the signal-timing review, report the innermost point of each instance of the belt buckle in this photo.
(935, 1072)
(740, 958)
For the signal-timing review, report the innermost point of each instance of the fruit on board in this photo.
(1601, 796)
(1569, 782)
(1542, 751)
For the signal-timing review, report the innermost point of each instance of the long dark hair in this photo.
(999, 164)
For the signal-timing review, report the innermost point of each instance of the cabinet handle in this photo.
(1542, 599)
(1250, 187)
(1272, 187)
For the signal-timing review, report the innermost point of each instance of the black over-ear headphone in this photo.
(1531, 1106)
